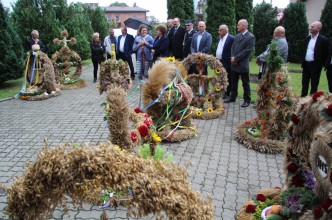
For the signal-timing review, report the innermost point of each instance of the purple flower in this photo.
(310, 179)
(293, 203)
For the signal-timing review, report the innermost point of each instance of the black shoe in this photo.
(135, 73)
(133, 78)
(245, 104)
(229, 100)
(94, 80)
(225, 97)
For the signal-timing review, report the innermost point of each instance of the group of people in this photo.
(232, 51)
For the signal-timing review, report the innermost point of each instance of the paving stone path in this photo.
(220, 166)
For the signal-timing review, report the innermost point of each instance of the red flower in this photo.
(250, 208)
(146, 115)
(267, 94)
(329, 110)
(295, 119)
(297, 181)
(148, 122)
(143, 130)
(279, 78)
(138, 110)
(267, 114)
(279, 98)
(292, 167)
(134, 136)
(326, 204)
(247, 122)
(318, 212)
(317, 95)
(261, 197)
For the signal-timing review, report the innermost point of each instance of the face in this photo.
(35, 36)
(314, 28)
(144, 32)
(241, 27)
(112, 33)
(123, 31)
(96, 38)
(170, 23)
(201, 27)
(189, 27)
(158, 32)
(176, 22)
(222, 32)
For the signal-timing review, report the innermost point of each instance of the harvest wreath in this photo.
(208, 90)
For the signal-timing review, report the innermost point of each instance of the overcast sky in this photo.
(157, 8)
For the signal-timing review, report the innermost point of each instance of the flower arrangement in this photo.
(208, 90)
(156, 152)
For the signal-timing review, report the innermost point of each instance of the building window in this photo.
(109, 18)
(117, 18)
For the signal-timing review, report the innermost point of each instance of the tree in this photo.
(98, 21)
(218, 13)
(296, 25)
(243, 10)
(326, 19)
(175, 9)
(119, 4)
(265, 21)
(188, 10)
(11, 57)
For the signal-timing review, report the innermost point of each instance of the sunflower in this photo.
(199, 113)
(217, 70)
(116, 147)
(218, 88)
(171, 59)
(155, 137)
(208, 100)
(209, 110)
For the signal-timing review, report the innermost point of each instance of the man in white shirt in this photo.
(317, 49)
(223, 54)
(125, 49)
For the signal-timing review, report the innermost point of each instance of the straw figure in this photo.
(208, 90)
(275, 104)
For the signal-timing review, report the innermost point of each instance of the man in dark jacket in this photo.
(125, 49)
(317, 49)
(328, 67)
(188, 38)
(176, 36)
(35, 40)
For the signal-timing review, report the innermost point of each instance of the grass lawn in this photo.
(12, 87)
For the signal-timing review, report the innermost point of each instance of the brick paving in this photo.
(220, 166)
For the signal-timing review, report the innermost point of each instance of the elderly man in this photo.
(223, 53)
(188, 38)
(35, 40)
(242, 46)
(175, 37)
(108, 41)
(317, 49)
(169, 25)
(279, 37)
(124, 47)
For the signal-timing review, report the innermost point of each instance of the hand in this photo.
(233, 61)
(152, 50)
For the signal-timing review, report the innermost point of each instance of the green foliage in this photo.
(243, 10)
(160, 153)
(274, 60)
(118, 4)
(220, 12)
(261, 206)
(98, 21)
(82, 47)
(296, 25)
(175, 9)
(265, 21)
(326, 19)
(188, 10)
(11, 57)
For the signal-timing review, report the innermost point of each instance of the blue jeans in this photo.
(139, 69)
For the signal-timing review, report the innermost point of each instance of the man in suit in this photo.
(125, 48)
(188, 38)
(35, 40)
(282, 45)
(242, 46)
(317, 47)
(328, 67)
(175, 37)
(223, 53)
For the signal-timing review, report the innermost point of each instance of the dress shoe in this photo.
(225, 97)
(94, 80)
(133, 77)
(229, 100)
(245, 104)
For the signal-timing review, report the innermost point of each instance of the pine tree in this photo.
(176, 9)
(98, 21)
(296, 25)
(265, 21)
(243, 10)
(218, 13)
(188, 10)
(326, 19)
(11, 57)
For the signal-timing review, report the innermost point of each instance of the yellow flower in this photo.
(208, 100)
(218, 88)
(170, 59)
(199, 113)
(116, 147)
(155, 137)
(217, 70)
(209, 110)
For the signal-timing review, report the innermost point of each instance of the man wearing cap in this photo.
(188, 38)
